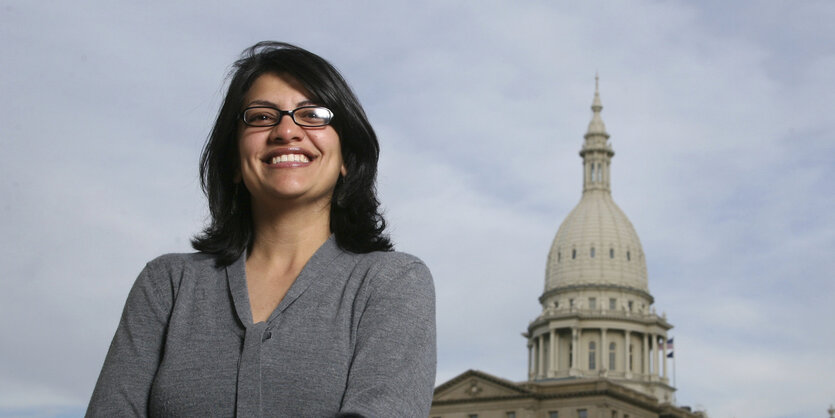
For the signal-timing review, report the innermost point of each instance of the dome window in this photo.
(559, 256)
(592, 303)
(592, 252)
(612, 347)
(573, 254)
(611, 253)
(628, 258)
(612, 304)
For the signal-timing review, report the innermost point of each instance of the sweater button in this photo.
(267, 336)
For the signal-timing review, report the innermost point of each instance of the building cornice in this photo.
(579, 388)
(587, 314)
(594, 286)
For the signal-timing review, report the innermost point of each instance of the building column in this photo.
(644, 355)
(606, 178)
(653, 354)
(540, 369)
(573, 364)
(604, 350)
(626, 370)
(530, 360)
(554, 364)
(664, 358)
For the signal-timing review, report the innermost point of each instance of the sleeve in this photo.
(125, 381)
(393, 369)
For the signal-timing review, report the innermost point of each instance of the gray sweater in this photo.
(355, 333)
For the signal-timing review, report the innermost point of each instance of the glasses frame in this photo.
(281, 113)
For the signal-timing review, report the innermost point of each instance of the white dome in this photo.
(596, 244)
(596, 225)
(596, 290)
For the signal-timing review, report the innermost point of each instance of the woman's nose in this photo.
(286, 130)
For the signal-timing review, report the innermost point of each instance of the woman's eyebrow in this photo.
(262, 103)
(271, 104)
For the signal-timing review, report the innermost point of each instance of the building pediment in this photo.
(475, 385)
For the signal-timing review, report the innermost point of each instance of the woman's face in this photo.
(287, 163)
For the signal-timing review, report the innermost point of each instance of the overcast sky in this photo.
(720, 114)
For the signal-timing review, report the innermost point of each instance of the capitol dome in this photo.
(596, 243)
(598, 318)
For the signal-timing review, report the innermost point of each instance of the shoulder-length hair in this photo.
(355, 218)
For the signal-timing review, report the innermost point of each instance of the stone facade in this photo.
(475, 394)
(598, 348)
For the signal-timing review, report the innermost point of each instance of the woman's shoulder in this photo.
(165, 274)
(393, 268)
(181, 261)
(390, 261)
(171, 269)
(391, 258)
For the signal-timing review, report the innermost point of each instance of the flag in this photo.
(670, 354)
(670, 347)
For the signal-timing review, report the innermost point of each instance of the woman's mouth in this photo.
(289, 158)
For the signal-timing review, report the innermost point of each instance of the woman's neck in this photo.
(286, 238)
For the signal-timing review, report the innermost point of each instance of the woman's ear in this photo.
(343, 170)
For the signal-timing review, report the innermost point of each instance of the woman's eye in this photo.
(308, 114)
(260, 117)
(314, 115)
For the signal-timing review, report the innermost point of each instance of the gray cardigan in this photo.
(355, 333)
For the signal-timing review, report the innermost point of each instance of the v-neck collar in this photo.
(313, 269)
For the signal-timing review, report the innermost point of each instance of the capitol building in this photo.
(598, 349)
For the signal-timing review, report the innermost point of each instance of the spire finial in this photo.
(596, 105)
(596, 151)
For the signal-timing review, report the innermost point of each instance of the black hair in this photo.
(355, 218)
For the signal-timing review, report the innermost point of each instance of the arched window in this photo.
(573, 254)
(631, 362)
(612, 356)
(592, 172)
(592, 252)
(599, 176)
(628, 258)
(611, 253)
(592, 356)
(559, 256)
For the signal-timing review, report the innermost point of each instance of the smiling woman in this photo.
(295, 304)
(271, 156)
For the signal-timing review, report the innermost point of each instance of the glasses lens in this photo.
(312, 116)
(260, 116)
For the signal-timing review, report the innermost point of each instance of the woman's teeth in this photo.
(297, 158)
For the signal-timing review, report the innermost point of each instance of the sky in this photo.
(719, 114)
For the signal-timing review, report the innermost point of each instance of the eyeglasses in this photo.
(308, 116)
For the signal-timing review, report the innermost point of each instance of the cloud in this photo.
(723, 158)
